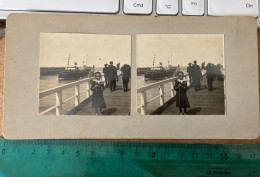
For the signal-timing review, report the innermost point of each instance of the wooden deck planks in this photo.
(203, 102)
(118, 102)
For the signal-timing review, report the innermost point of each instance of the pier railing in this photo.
(58, 92)
(161, 93)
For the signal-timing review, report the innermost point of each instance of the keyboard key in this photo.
(193, 7)
(167, 7)
(92, 6)
(233, 8)
(144, 7)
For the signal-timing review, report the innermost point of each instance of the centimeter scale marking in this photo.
(123, 159)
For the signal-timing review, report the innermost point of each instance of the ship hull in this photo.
(67, 75)
(158, 75)
(155, 76)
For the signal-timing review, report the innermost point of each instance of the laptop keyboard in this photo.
(137, 7)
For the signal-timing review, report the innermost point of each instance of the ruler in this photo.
(72, 158)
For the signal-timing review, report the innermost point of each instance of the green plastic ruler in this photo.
(126, 159)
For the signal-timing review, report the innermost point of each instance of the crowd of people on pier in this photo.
(213, 72)
(111, 77)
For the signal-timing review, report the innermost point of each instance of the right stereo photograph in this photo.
(180, 74)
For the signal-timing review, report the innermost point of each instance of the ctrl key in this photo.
(144, 7)
(233, 8)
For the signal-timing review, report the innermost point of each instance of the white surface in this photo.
(100, 6)
(233, 8)
(138, 7)
(193, 7)
(4, 14)
(167, 7)
(11, 5)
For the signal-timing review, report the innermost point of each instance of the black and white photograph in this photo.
(85, 74)
(180, 74)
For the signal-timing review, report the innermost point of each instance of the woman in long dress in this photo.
(97, 87)
(181, 88)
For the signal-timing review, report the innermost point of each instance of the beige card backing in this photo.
(21, 117)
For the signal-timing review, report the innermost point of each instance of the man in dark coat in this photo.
(126, 73)
(112, 76)
(210, 73)
(196, 75)
(105, 71)
(189, 71)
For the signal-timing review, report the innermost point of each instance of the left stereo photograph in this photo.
(84, 74)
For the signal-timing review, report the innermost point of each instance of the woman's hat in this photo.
(97, 73)
(180, 72)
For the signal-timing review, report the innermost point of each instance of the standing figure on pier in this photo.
(210, 73)
(92, 72)
(105, 72)
(189, 71)
(126, 73)
(97, 87)
(196, 75)
(112, 76)
(181, 88)
(219, 75)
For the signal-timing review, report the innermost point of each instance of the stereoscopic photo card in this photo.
(71, 76)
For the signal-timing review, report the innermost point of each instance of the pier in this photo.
(202, 102)
(157, 98)
(117, 102)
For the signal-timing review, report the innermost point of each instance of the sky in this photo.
(94, 49)
(179, 49)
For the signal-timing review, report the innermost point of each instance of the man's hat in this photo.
(106, 64)
(189, 63)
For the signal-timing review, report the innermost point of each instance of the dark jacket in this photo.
(112, 73)
(98, 100)
(181, 96)
(189, 70)
(126, 72)
(196, 72)
(105, 71)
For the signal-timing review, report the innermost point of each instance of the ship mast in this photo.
(68, 64)
(154, 60)
(86, 59)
